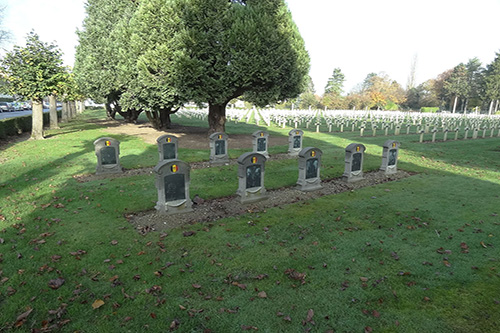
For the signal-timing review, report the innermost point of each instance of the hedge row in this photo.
(18, 125)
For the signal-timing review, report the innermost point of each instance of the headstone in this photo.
(445, 135)
(260, 143)
(218, 148)
(466, 133)
(172, 182)
(434, 130)
(295, 142)
(309, 169)
(107, 151)
(354, 155)
(251, 169)
(167, 147)
(390, 157)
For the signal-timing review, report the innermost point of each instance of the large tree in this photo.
(492, 83)
(332, 98)
(152, 48)
(381, 92)
(226, 49)
(474, 82)
(34, 72)
(99, 68)
(456, 85)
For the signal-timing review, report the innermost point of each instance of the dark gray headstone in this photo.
(107, 151)
(354, 156)
(390, 157)
(172, 183)
(309, 169)
(295, 142)
(167, 147)
(261, 143)
(251, 170)
(219, 148)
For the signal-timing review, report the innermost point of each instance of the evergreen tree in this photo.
(100, 63)
(335, 83)
(226, 49)
(492, 83)
(456, 85)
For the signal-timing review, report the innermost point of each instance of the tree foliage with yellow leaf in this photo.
(34, 72)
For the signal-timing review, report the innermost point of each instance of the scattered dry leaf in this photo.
(97, 304)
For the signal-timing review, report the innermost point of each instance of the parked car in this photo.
(6, 107)
(17, 106)
(26, 105)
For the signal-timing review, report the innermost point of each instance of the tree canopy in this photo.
(191, 50)
(34, 72)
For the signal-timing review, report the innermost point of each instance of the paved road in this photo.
(4, 115)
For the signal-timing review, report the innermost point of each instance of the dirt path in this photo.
(212, 210)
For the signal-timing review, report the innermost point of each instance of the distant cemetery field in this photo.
(93, 238)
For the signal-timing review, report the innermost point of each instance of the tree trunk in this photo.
(110, 112)
(64, 112)
(455, 104)
(165, 120)
(130, 116)
(53, 112)
(72, 109)
(216, 118)
(496, 107)
(465, 105)
(491, 108)
(37, 120)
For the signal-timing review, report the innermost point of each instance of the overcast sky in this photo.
(358, 36)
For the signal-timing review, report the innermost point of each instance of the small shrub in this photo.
(429, 109)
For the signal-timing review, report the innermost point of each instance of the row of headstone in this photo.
(173, 175)
(107, 149)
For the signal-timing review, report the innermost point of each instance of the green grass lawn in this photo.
(417, 255)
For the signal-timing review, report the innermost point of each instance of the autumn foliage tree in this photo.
(34, 72)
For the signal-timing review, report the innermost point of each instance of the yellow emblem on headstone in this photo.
(175, 168)
(313, 153)
(357, 148)
(107, 143)
(261, 133)
(394, 145)
(254, 160)
(169, 140)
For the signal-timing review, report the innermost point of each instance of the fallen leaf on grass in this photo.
(56, 283)
(248, 328)
(310, 315)
(196, 286)
(97, 304)
(174, 324)
(262, 294)
(483, 245)
(22, 317)
(465, 248)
